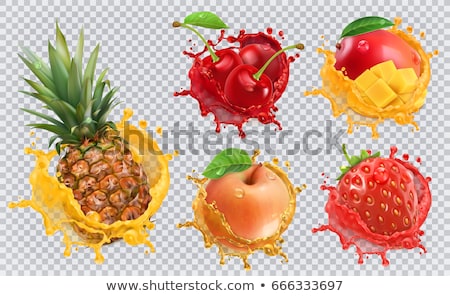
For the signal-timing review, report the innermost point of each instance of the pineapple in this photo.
(95, 162)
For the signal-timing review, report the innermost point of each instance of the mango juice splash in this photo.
(346, 98)
(61, 212)
(230, 244)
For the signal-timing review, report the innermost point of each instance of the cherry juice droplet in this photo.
(281, 34)
(269, 30)
(405, 157)
(394, 150)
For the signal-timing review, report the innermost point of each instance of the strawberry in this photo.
(379, 204)
(381, 190)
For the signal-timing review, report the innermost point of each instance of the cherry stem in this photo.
(214, 57)
(344, 150)
(258, 74)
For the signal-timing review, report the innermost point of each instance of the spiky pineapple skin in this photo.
(105, 179)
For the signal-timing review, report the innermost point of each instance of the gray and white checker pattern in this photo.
(144, 54)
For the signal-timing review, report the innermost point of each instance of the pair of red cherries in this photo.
(247, 77)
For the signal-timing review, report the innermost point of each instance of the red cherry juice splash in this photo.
(351, 230)
(210, 95)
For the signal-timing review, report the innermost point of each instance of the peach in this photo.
(252, 202)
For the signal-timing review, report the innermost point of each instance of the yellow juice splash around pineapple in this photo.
(61, 212)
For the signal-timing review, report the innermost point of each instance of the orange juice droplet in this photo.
(127, 113)
(299, 189)
(143, 124)
(159, 130)
(255, 155)
(61, 212)
(275, 160)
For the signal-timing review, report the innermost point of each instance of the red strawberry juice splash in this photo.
(351, 230)
(210, 94)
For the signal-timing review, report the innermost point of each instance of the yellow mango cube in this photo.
(365, 80)
(396, 102)
(384, 70)
(405, 97)
(403, 80)
(380, 93)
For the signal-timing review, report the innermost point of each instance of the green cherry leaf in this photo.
(205, 19)
(228, 161)
(364, 25)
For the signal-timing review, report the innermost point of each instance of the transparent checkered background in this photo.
(144, 54)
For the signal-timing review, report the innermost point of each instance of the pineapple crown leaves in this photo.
(80, 103)
(355, 160)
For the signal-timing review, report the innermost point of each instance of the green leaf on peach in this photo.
(228, 161)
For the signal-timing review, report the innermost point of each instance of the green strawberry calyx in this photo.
(354, 160)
